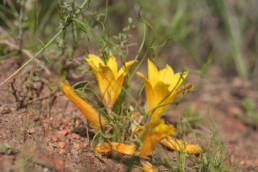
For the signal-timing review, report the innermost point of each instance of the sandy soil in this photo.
(48, 133)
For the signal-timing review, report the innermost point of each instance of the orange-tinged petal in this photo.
(106, 148)
(90, 113)
(124, 149)
(180, 90)
(103, 148)
(138, 130)
(148, 167)
(154, 123)
(180, 145)
(148, 145)
(194, 149)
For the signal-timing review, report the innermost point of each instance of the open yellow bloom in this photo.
(179, 145)
(90, 113)
(154, 131)
(110, 80)
(161, 87)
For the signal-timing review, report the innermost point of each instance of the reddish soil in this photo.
(39, 135)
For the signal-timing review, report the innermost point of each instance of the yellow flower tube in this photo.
(179, 145)
(90, 113)
(107, 148)
(148, 167)
(161, 87)
(110, 80)
(103, 148)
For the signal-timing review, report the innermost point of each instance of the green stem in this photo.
(31, 59)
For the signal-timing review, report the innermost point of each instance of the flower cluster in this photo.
(161, 88)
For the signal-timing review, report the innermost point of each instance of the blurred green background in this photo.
(180, 32)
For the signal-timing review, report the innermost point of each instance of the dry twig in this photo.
(27, 53)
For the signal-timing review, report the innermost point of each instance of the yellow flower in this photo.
(90, 113)
(106, 148)
(154, 131)
(179, 145)
(110, 80)
(161, 87)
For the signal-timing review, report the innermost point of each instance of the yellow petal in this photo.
(124, 149)
(153, 73)
(179, 145)
(106, 80)
(160, 96)
(194, 149)
(112, 64)
(127, 66)
(166, 74)
(148, 167)
(105, 77)
(149, 92)
(117, 86)
(154, 95)
(148, 145)
(90, 113)
(163, 130)
(94, 61)
(154, 131)
(103, 148)
(176, 80)
(110, 87)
